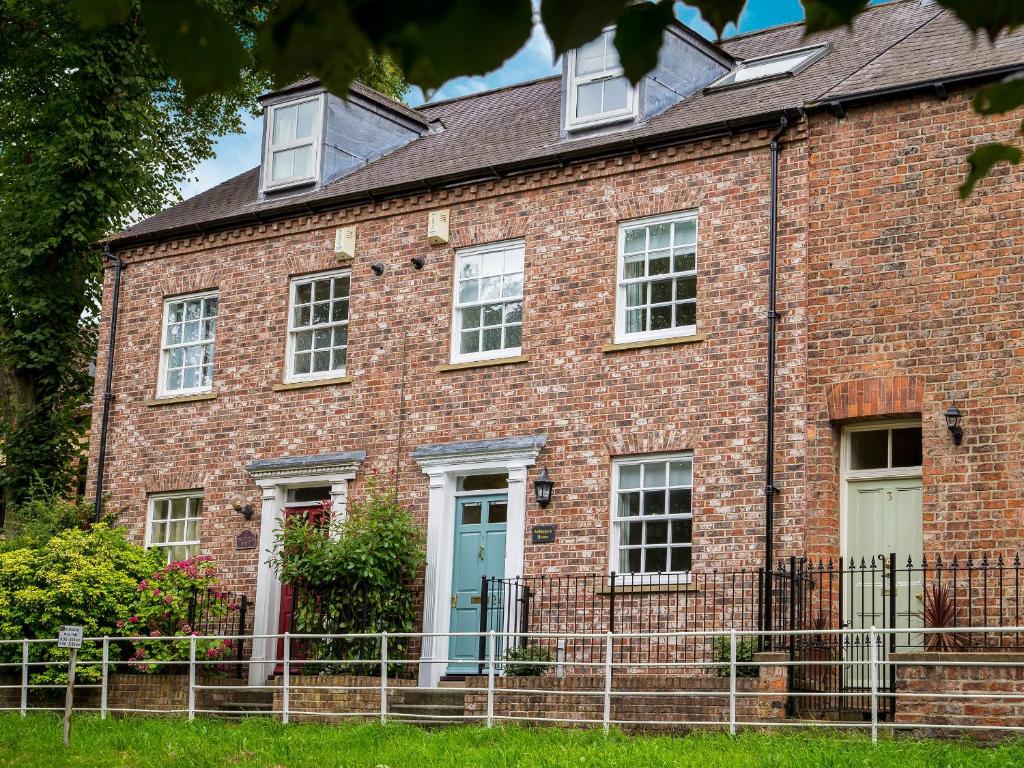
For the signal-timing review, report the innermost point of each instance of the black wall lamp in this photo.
(418, 262)
(377, 268)
(953, 424)
(542, 488)
(242, 506)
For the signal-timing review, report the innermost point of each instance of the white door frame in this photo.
(275, 479)
(444, 470)
(846, 474)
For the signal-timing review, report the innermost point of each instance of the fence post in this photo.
(608, 676)
(286, 677)
(24, 677)
(490, 679)
(873, 656)
(611, 604)
(732, 681)
(104, 673)
(192, 677)
(483, 621)
(383, 677)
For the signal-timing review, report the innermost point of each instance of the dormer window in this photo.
(598, 91)
(292, 154)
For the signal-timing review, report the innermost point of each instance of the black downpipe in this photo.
(108, 394)
(770, 490)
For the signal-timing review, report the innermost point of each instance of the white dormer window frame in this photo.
(271, 148)
(576, 81)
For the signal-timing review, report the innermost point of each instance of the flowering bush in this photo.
(162, 610)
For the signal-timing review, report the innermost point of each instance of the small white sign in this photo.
(70, 637)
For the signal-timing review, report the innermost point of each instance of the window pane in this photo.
(491, 263)
(681, 559)
(469, 266)
(654, 502)
(339, 311)
(654, 475)
(661, 291)
(514, 312)
(497, 512)
(304, 341)
(493, 313)
(471, 317)
(513, 336)
(303, 316)
(588, 100)
(629, 561)
(635, 321)
(302, 361)
(513, 260)
(680, 473)
(282, 165)
(495, 482)
(636, 240)
(190, 378)
(304, 293)
(590, 57)
(284, 124)
(631, 533)
(629, 476)
(629, 504)
(685, 233)
(158, 534)
(303, 162)
(492, 339)
(636, 294)
(661, 318)
(656, 560)
(686, 314)
(660, 236)
(471, 513)
(306, 119)
(869, 450)
(686, 288)
(657, 532)
(338, 358)
(468, 291)
(616, 95)
(470, 342)
(322, 338)
(680, 501)
(321, 361)
(682, 531)
(906, 447)
(513, 286)
(633, 267)
(490, 288)
(684, 262)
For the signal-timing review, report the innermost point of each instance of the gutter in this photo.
(108, 394)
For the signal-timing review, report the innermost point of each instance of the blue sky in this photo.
(240, 152)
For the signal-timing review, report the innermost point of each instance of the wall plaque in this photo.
(543, 534)
(245, 540)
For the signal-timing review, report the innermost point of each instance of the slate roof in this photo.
(892, 45)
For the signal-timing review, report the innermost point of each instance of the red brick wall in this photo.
(907, 280)
(983, 674)
(707, 397)
(325, 698)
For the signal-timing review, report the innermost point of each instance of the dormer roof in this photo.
(892, 47)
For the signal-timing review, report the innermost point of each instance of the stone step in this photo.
(450, 698)
(423, 713)
(253, 696)
(234, 710)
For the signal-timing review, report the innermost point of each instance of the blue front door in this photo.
(480, 523)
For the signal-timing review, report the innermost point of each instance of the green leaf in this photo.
(821, 15)
(638, 37)
(569, 26)
(993, 16)
(198, 45)
(101, 13)
(1001, 97)
(983, 159)
(719, 13)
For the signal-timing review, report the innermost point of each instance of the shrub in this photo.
(34, 523)
(162, 610)
(527, 660)
(76, 577)
(746, 647)
(358, 579)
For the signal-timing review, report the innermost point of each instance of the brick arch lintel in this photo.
(880, 397)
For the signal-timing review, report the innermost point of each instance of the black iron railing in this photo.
(212, 612)
(713, 602)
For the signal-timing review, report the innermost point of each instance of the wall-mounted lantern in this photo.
(953, 424)
(542, 488)
(242, 506)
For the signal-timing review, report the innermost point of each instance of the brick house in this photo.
(576, 275)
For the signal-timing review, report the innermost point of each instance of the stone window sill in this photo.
(156, 401)
(695, 338)
(336, 381)
(484, 363)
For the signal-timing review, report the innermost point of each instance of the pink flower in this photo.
(168, 599)
(133, 619)
(233, 607)
(156, 593)
(212, 653)
(155, 633)
(227, 643)
(143, 667)
(120, 623)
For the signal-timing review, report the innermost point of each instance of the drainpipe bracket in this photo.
(771, 490)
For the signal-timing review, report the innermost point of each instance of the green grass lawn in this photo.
(150, 743)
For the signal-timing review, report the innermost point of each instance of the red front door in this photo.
(319, 515)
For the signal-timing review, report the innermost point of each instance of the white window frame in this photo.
(621, 336)
(165, 350)
(495, 354)
(674, 577)
(290, 377)
(574, 81)
(151, 511)
(728, 79)
(270, 148)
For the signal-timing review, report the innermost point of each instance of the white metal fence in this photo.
(383, 677)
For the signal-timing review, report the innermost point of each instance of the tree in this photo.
(431, 42)
(96, 130)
